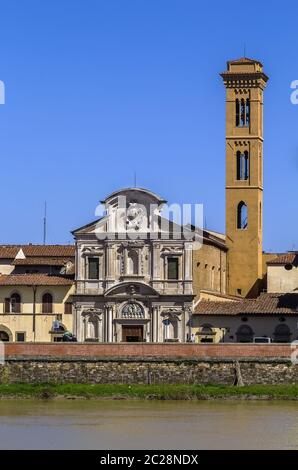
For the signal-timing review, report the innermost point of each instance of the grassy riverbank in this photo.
(149, 392)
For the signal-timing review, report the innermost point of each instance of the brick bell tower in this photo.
(245, 82)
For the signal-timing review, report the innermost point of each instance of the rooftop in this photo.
(265, 304)
(34, 280)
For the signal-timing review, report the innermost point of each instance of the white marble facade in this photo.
(133, 273)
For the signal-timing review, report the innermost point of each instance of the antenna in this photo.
(45, 223)
(244, 49)
(135, 179)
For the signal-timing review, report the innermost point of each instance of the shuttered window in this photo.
(47, 303)
(68, 307)
(7, 305)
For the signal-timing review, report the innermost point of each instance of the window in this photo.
(47, 303)
(4, 336)
(237, 113)
(20, 336)
(173, 268)
(132, 263)
(242, 165)
(242, 216)
(15, 303)
(68, 307)
(93, 268)
(247, 112)
(242, 112)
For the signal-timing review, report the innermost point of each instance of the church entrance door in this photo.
(132, 333)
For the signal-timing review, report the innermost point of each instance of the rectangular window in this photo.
(173, 266)
(68, 307)
(20, 336)
(93, 268)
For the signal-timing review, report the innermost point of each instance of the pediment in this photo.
(131, 289)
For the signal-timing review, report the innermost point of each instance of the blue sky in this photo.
(96, 90)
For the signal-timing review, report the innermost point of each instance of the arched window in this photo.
(242, 216)
(242, 165)
(47, 303)
(242, 113)
(15, 303)
(244, 334)
(247, 112)
(132, 263)
(237, 112)
(5, 334)
(282, 334)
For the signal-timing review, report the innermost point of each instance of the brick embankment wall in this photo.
(147, 363)
(141, 350)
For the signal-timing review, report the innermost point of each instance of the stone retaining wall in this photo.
(148, 363)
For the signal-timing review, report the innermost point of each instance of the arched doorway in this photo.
(244, 334)
(282, 334)
(132, 330)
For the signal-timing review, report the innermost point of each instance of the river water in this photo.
(111, 424)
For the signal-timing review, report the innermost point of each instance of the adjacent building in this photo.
(36, 282)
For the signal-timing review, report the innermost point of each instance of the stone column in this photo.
(109, 262)
(187, 262)
(110, 323)
(156, 261)
(156, 324)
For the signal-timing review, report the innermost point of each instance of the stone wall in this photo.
(147, 371)
(148, 364)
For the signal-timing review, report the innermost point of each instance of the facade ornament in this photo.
(132, 310)
(134, 217)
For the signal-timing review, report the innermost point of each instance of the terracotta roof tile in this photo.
(44, 261)
(265, 304)
(34, 279)
(285, 258)
(10, 251)
(244, 60)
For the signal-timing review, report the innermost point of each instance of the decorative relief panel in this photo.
(132, 310)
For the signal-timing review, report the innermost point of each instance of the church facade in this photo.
(133, 280)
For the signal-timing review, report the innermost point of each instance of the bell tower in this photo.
(245, 81)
